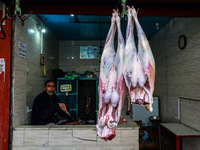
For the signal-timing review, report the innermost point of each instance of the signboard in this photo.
(22, 49)
(89, 52)
(66, 88)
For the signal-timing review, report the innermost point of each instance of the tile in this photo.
(97, 147)
(34, 127)
(130, 147)
(129, 141)
(58, 127)
(116, 148)
(36, 138)
(129, 133)
(84, 142)
(46, 148)
(60, 137)
(79, 148)
(77, 141)
(24, 148)
(18, 138)
(115, 141)
(85, 134)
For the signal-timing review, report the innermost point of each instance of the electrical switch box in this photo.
(42, 59)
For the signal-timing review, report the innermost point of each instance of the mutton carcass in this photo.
(139, 65)
(111, 82)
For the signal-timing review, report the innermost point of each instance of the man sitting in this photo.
(46, 104)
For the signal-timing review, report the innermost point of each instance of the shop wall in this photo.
(28, 77)
(69, 49)
(177, 73)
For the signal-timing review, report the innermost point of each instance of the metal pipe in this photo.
(179, 111)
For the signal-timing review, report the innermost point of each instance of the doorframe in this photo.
(5, 85)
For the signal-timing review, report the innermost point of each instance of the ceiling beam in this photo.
(159, 8)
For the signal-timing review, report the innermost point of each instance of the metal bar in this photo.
(179, 110)
(77, 99)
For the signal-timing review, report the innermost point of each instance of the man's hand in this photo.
(62, 106)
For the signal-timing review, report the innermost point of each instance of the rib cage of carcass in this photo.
(139, 65)
(128, 67)
(111, 82)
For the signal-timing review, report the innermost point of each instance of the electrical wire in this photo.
(1, 24)
(4, 35)
(23, 18)
(11, 16)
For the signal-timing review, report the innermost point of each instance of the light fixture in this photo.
(157, 25)
(41, 28)
(72, 15)
(31, 31)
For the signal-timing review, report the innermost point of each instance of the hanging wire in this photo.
(11, 16)
(4, 35)
(4, 18)
(23, 18)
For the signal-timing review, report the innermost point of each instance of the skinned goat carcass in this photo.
(139, 67)
(111, 83)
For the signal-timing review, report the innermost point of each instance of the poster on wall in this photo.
(89, 52)
(2, 67)
(22, 49)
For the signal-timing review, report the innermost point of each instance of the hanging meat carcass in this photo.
(139, 66)
(111, 82)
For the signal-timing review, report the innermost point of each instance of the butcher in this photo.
(46, 105)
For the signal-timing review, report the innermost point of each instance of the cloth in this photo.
(44, 108)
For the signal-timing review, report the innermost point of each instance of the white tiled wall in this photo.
(69, 49)
(178, 72)
(28, 80)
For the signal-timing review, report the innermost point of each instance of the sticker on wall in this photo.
(89, 52)
(22, 49)
(2, 67)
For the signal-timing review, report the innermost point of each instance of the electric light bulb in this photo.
(43, 30)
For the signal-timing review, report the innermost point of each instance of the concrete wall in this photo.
(28, 79)
(178, 72)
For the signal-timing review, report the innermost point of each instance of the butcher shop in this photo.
(99, 75)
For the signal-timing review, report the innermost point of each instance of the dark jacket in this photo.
(44, 108)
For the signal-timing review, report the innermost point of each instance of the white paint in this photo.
(2, 67)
